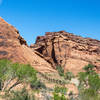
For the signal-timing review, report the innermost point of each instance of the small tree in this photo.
(5, 73)
(60, 70)
(61, 90)
(14, 71)
(59, 93)
(37, 85)
(69, 75)
(19, 95)
(89, 84)
(94, 82)
(89, 68)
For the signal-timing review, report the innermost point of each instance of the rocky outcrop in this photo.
(15, 48)
(55, 48)
(66, 49)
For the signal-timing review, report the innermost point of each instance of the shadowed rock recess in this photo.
(55, 48)
(68, 50)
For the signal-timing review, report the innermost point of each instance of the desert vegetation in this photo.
(16, 73)
(59, 93)
(67, 75)
(89, 87)
(13, 74)
(19, 95)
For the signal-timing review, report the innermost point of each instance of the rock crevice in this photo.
(66, 49)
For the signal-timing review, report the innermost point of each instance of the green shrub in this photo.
(89, 84)
(19, 95)
(94, 82)
(61, 90)
(59, 93)
(37, 85)
(88, 94)
(60, 70)
(57, 96)
(10, 71)
(69, 75)
(89, 68)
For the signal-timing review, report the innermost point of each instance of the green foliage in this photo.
(25, 73)
(82, 76)
(58, 97)
(89, 68)
(4, 69)
(63, 97)
(94, 82)
(10, 71)
(60, 70)
(37, 85)
(5, 72)
(88, 94)
(89, 84)
(61, 90)
(59, 93)
(69, 75)
(19, 95)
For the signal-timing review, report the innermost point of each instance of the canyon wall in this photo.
(68, 50)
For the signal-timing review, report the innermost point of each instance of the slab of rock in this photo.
(66, 49)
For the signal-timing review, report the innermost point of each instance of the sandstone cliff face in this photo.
(14, 47)
(55, 48)
(70, 51)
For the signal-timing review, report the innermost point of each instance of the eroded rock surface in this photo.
(71, 51)
(55, 48)
(15, 48)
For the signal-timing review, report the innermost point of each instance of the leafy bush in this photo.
(94, 82)
(37, 85)
(69, 75)
(57, 96)
(59, 93)
(60, 70)
(89, 68)
(19, 95)
(88, 94)
(14, 71)
(61, 90)
(89, 84)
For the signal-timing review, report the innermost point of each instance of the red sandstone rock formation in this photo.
(71, 51)
(14, 47)
(55, 48)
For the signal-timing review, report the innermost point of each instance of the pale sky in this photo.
(0, 2)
